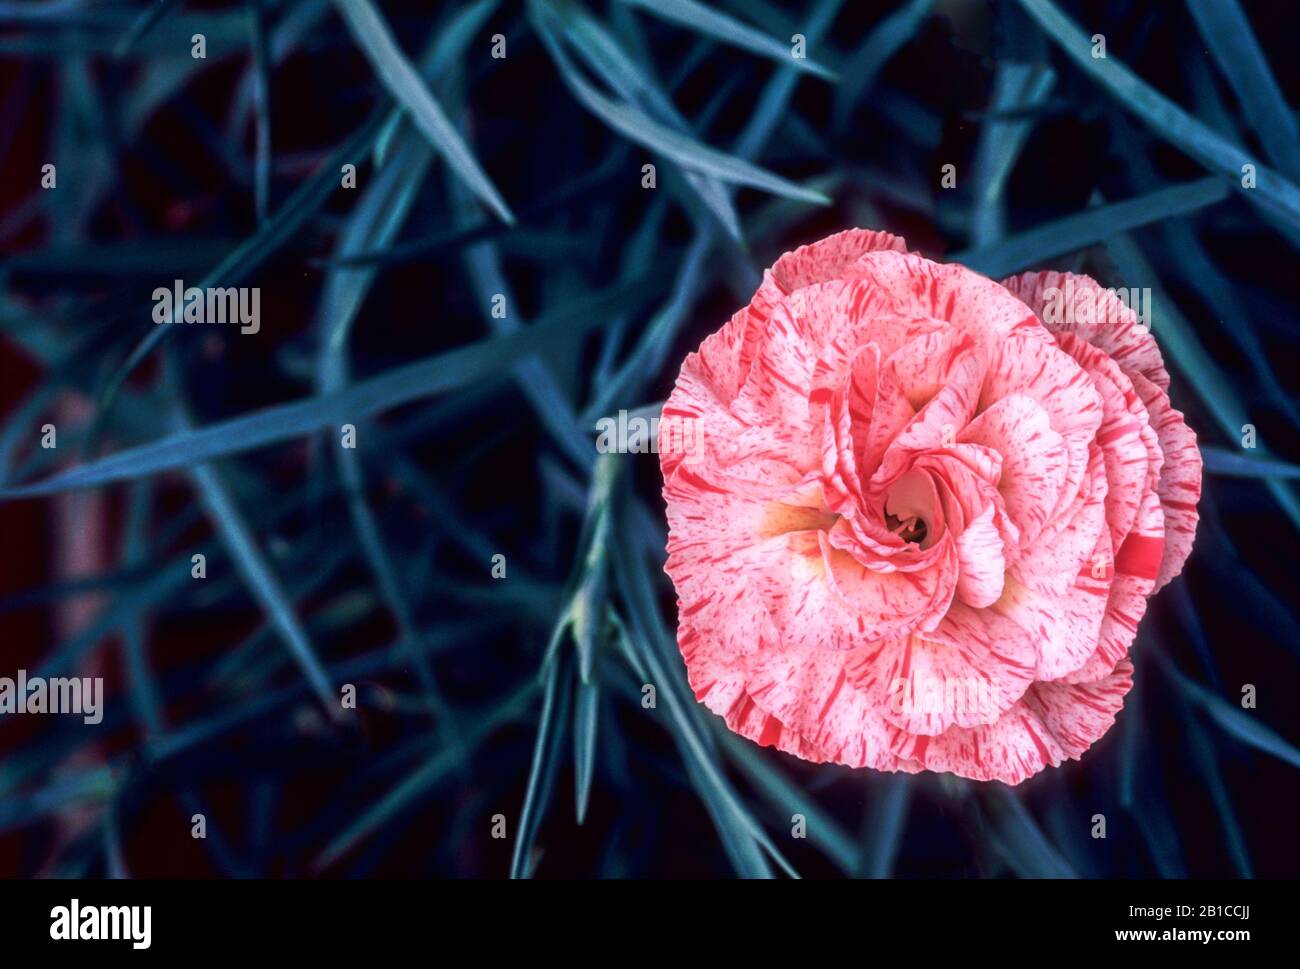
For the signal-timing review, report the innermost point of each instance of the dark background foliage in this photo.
(373, 566)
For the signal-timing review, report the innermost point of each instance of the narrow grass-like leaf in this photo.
(1235, 721)
(289, 218)
(1184, 606)
(425, 378)
(417, 784)
(377, 220)
(1178, 341)
(881, 44)
(533, 375)
(113, 858)
(586, 718)
(449, 44)
(772, 104)
(1187, 257)
(732, 821)
(623, 642)
(885, 821)
(1163, 116)
(454, 239)
(1022, 838)
(1231, 464)
(406, 87)
(1206, 760)
(142, 24)
(636, 126)
(1086, 228)
(1154, 820)
(1226, 31)
(1016, 86)
(648, 355)
(602, 53)
(261, 109)
(1143, 796)
(142, 688)
(705, 20)
(261, 580)
(556, 698)
(822, 829)
(742, 831)
(84, 788)
(292, 25)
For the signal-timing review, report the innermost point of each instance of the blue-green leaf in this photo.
(1163, 116)
(638, 127)
(1086, 228)
(406, 87)
(886, 40)
(705, 20)
(1227, 33)
(414, 381)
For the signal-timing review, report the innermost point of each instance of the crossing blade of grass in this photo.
(533, 375)
(114, 861)
(377, 220)
(84, 788)
(1163, 116)
(1178, 341)
(601, 51)
(288, 220)
(1131, 727)
(888, 37)
(775, 99)
(1015, 86)
(261, 580)
(647, 357)
(712, 23)
(451, 39)
(453, 239)
(1073, 232)
(1206, 760)
(1157, 826)
(822, 829)
(638, 127)
(285, 39)
(556, 698)
(141, 686)
(407, 88)
(418, 783)
(1141, 790)
(1198, 269)
(1234, 720)
(142, 25)
(271, 704)
(164, 585)
(1186, 257)
(1026, 844)
(741, 832)
(1226, 31)
(425, 378)
(883, 829)
(1184, 606)
(1231, 464)
(20, 419)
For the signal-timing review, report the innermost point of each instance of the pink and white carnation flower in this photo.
(924, 516)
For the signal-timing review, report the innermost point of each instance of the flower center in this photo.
(910, 529)
(909, 508)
